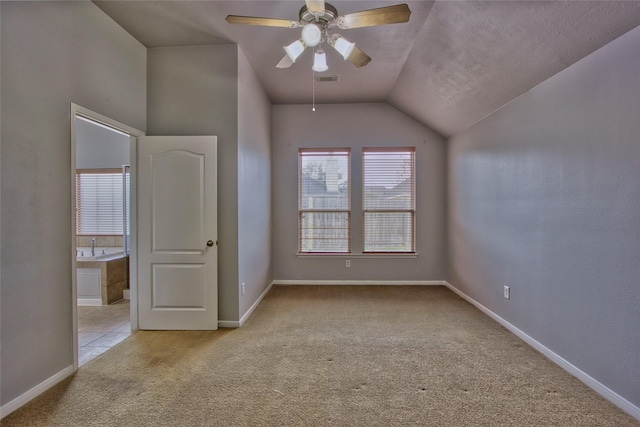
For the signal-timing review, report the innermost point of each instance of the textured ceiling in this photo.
(471, 58)
(452, 64)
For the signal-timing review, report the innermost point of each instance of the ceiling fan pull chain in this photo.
(313, 87)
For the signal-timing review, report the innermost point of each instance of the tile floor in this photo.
(100, 328)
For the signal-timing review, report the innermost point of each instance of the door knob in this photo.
(210, 243)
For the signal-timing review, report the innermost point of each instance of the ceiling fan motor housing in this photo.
(330, 13)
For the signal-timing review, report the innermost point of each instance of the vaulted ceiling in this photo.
(452, 64)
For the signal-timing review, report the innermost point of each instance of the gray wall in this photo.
(545, 198)
(100, 148)
(53, 53)
(194, 91)
(356, 126)
(254, 185)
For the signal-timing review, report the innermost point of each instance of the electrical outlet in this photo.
(348, 263)
(242, 289)
(507, 292)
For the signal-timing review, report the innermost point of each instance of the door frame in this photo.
(79, 111)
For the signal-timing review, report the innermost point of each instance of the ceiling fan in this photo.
(317, 19)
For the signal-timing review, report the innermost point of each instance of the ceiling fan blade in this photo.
(285, 62)
(359, 58)
(265, 22)
(369, 18)
(315, 6)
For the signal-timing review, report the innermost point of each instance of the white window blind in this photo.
(99, 202)
(324, 201)
(388, 200)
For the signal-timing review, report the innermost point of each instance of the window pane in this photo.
(324, 180)
(388, 199)
(395, 198)
(388, 180)
(388, 232)
(324, 201)
(324, 231)
(99, 203)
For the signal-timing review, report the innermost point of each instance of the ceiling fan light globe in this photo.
(320, 62)
(311, 35)
(344, 47)
(294, 50)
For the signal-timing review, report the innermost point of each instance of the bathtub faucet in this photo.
(93, 247)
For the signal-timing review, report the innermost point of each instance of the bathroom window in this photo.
(99, 202)
(324, 201)
(389, 200)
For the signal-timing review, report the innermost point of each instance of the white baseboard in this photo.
(228, 324)
(361, 282)
(16, 403)
(591, 382)
(255, 305)
(245, 317)
(89, 301)
(126, 294)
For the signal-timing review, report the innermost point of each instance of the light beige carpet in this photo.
(318, 356)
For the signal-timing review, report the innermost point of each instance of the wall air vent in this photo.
(327, 77)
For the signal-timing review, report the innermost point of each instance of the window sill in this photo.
(343, 255)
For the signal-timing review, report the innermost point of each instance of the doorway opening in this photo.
(103, 233)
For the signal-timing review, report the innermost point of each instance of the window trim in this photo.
(412, 210)
(340, 151)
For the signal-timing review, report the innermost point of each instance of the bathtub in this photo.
(101, 254)
(102, 278)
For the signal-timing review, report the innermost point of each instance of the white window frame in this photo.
(410, 210)
(302, 211)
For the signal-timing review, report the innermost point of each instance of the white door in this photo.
(177, 233)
